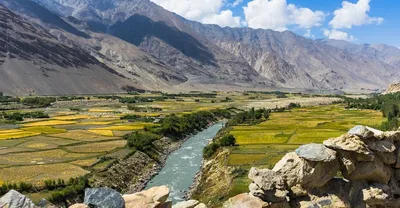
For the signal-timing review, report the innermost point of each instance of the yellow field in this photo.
(43, 129)
(49, 156)
(73, 117)
(102, 132)
(49, 123)
(16, 134)
(126, 127)
(96, 123)
(37, 174)
(99, 110)
(85, 163)
(83, 135)
(98, 147)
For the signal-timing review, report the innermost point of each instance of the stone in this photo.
(381, 145)
(349, 143)
(103, 198)
(387, 158)
(316, 153)
(245, 201)
(153, 197)
(159, 193)
(375, 171)
(377, 133)
(266, 179)
(79, 206)
(201, 205)
(377, 194)
(46, 204)
(347, 161)
(15, 199)
(272, 195)
(296, 170)
(187, 204)
(297, 191)
(392, 135)
(361, 131)
(397, 165)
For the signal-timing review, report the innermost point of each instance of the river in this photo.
(182, 165)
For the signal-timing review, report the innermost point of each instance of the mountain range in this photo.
(107, 45)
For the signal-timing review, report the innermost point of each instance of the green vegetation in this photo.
(21, 116)
(387, 104)
(143, 109)
(39, 102)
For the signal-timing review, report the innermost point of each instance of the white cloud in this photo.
(308, 34)
(205, 11)
(236, 3)
(338, 35)
(353, 15)
(277, 15)
(225, 18)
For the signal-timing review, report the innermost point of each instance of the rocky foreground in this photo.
(358, 169)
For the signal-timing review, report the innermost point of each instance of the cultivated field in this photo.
(263, 145)
(80, 133)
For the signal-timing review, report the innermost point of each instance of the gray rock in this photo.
(375, 171)
(381, 145)
(378, 134)
(103, 198)
(388, 158)
(14, 199)
(187, 204)
(377, 194)
(361, 131)
(316, 152)
(351, 143)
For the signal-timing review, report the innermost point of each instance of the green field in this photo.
(264, 144)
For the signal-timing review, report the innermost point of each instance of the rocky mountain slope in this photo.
(393, 89)
(33, 61)
(157, 49)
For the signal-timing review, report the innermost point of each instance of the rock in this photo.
(392, 135)
(201, 205)
(266, 179)
(377, 194)
(296, 170)
(158, 194)
(79, 206)
(374, 171)
(245, 201)
(103, 198)
(153, 197)
(349, 143)
(316, 152)
(46, 204)
(377, 133)
(381, 145)
(187, 204)
(273, 195)
(347, 161)
(397, 165)
(361, 131)
(387, 158)
(15, 199)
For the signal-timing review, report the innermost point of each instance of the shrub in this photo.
(210, 150)
(227, 140)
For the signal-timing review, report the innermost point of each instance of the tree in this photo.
(228, 140)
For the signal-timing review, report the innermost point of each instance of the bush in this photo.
(210, 150)
(227, 140)
(142, 141)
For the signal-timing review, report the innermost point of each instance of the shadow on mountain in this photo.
(46, 16)
(137, 27)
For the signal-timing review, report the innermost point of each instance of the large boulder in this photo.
(15, 199)
(267, 185)
(316, 153)
(350, 143)
(79, 206)
(296, 170)
(245, 201)
(361, 131)
(189, 204)
(103, 198)
(375, 171)
(384, 145)
(153, 197)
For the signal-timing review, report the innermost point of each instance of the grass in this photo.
(43, 129)
(102, 132)
(72, 117)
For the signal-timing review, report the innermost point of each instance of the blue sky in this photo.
(357, 21)
(387, 32)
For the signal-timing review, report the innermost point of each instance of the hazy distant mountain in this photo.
(178, 54)
(386, 53)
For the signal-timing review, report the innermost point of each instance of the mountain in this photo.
(388, 54)
(158, 49)
(33, 61)
(393, 89)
